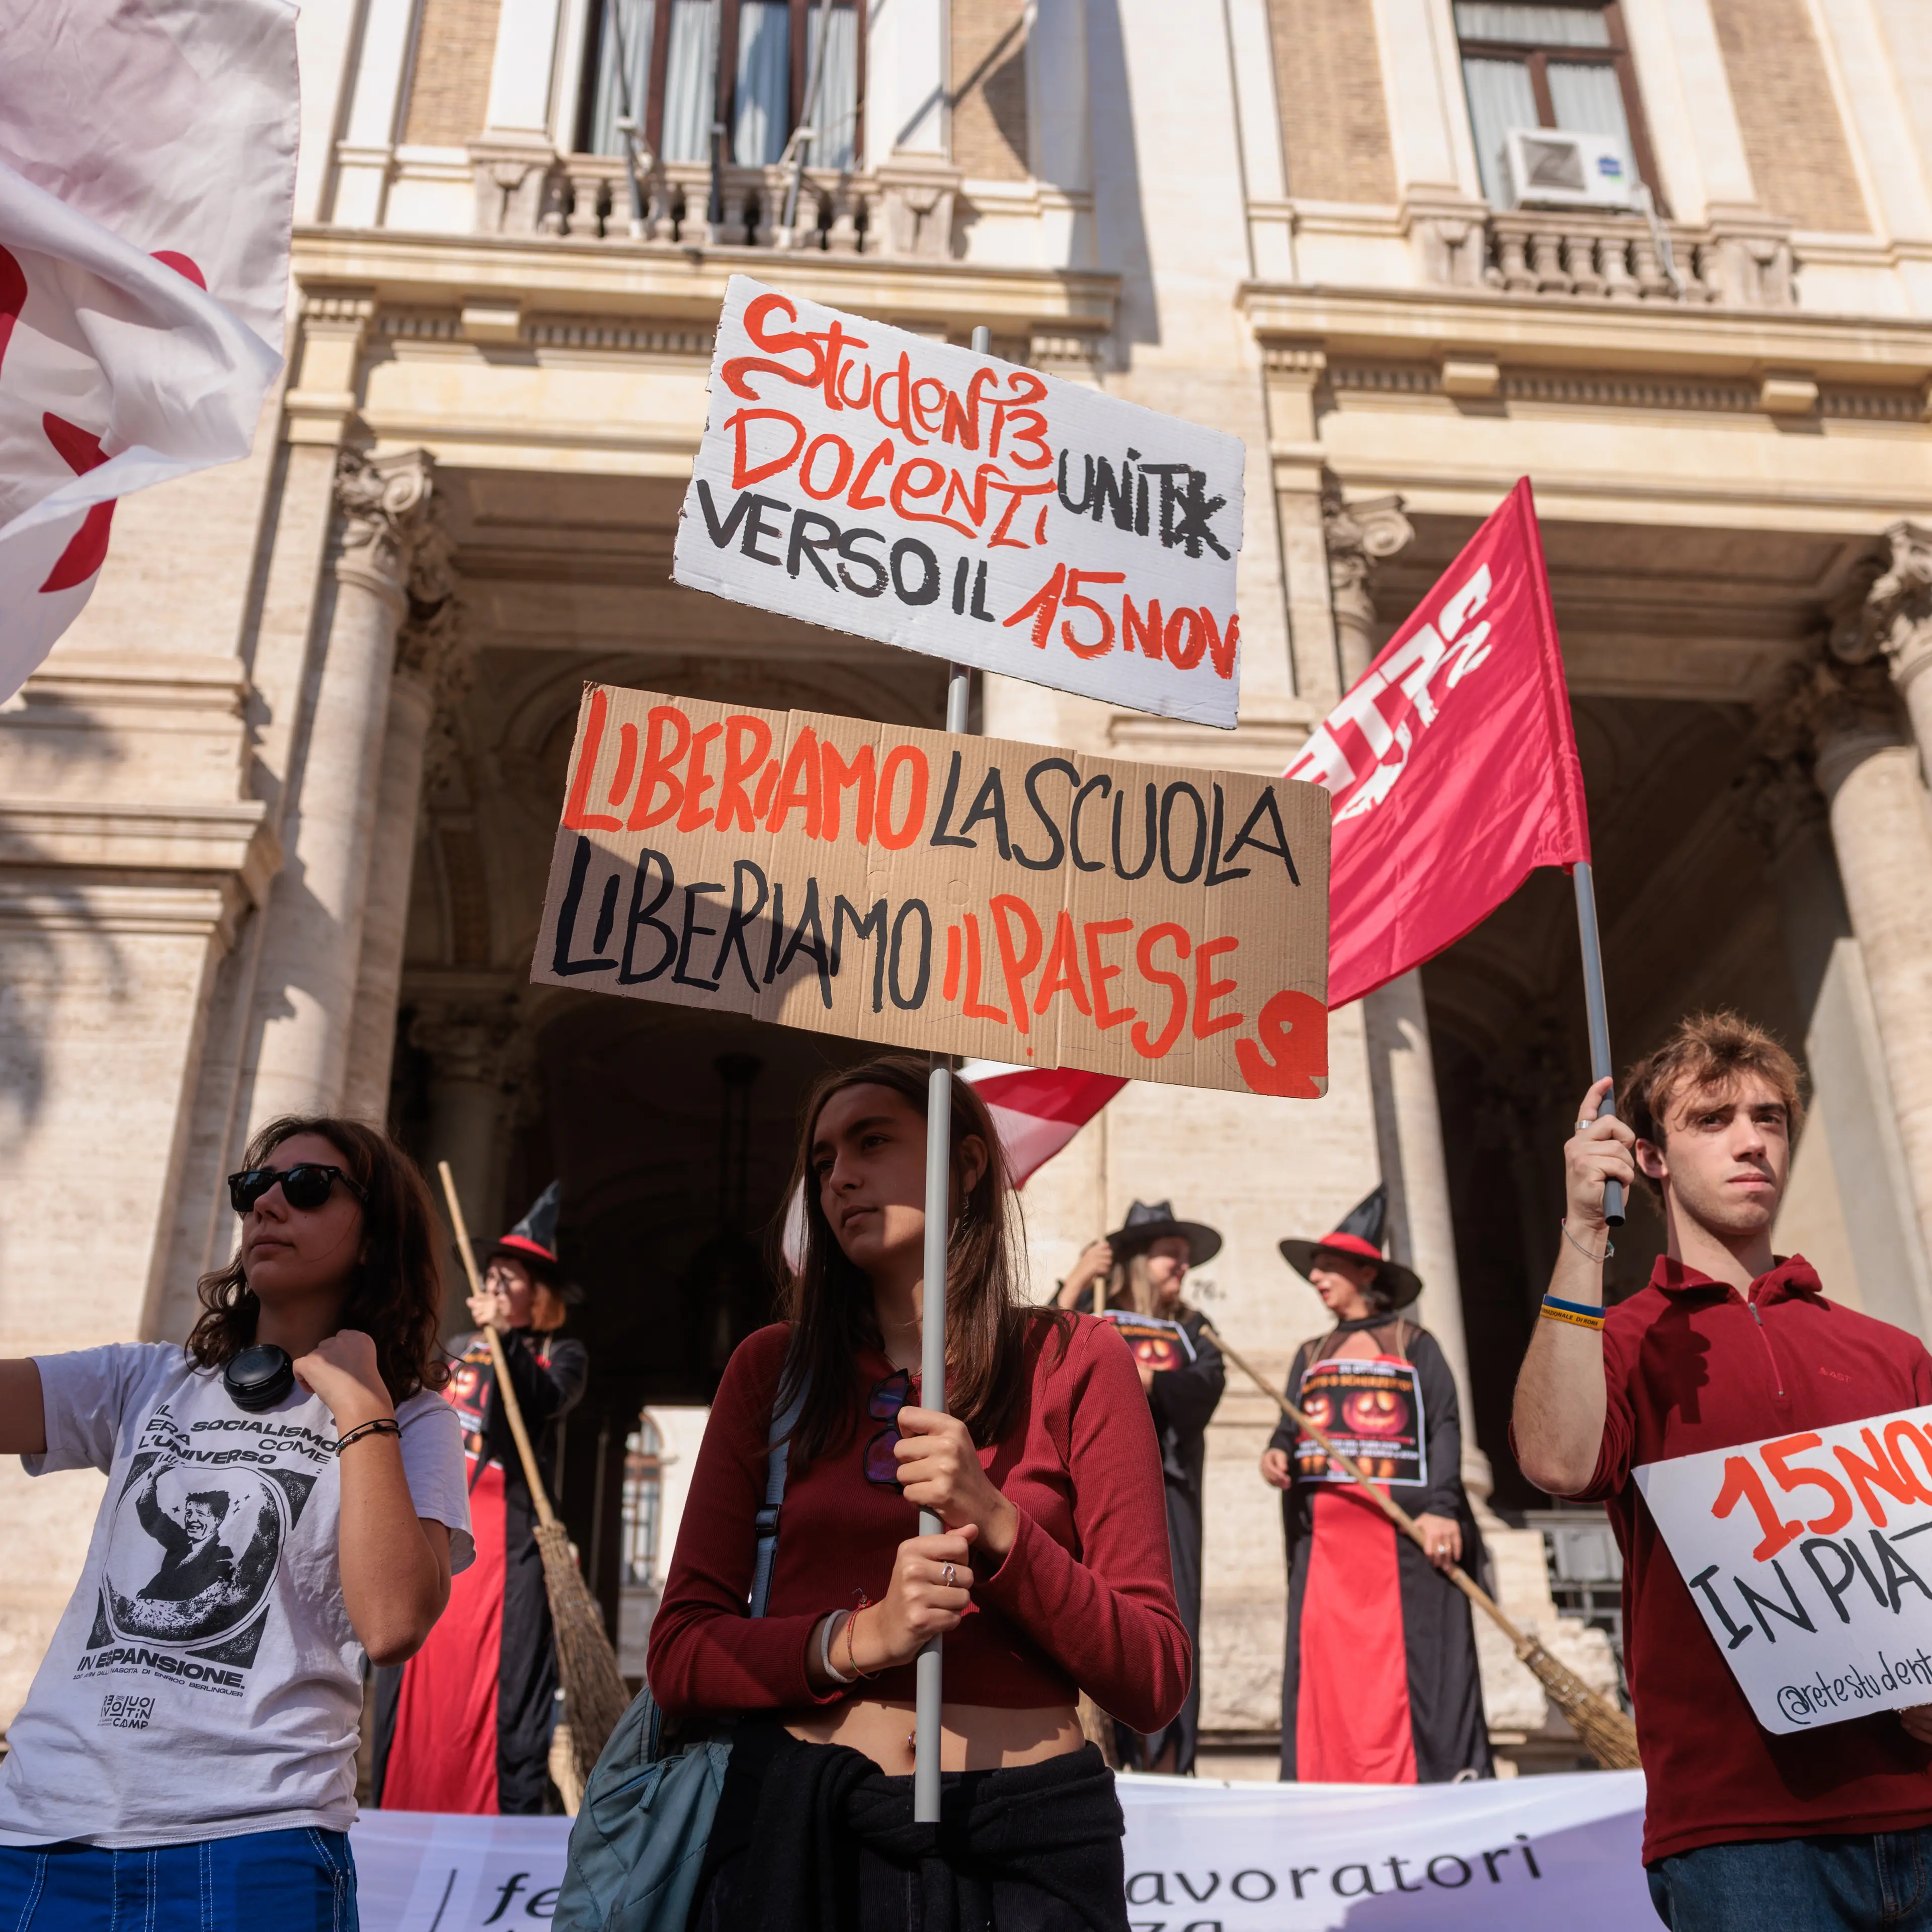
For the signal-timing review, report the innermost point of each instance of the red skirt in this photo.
(1352, 1719)
(443, 1755)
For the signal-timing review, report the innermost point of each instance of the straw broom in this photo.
(1609, 1735)
(594, 1694)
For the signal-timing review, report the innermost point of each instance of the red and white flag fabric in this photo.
(1038, 1109)
(147, 187)
(1453, 762)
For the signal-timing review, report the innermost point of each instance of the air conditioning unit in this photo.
(1550, 167)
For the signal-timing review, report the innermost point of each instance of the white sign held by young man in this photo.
(856, 476)
(1809, 1558)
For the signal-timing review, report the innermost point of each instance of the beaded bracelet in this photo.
(383, 1425)
(1575, 1312)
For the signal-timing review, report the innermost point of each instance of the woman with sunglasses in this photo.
(285, 1496)
(1048, 1577)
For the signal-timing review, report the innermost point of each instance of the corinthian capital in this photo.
(1360, 535)
(1828, 716)
(1891, 613)
(391, 529)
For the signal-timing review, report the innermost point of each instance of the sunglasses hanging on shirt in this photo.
(305, 1187)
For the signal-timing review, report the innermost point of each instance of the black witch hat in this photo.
(532, 1241)
(1145, 1224)
(1359, 1237)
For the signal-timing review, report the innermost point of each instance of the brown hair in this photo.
(1707, 1050)
(828, 1300)
(397, 1298)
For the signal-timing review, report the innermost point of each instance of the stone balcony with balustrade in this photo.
(1738, 258)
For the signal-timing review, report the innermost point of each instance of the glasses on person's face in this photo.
(883, 1405)
(305, 1187)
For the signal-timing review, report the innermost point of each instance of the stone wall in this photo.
(1334, 122)
(449, 92)
(1800, 164)
(989, 89)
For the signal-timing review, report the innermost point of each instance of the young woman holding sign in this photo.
(1381, 1685)
(1049, 1577)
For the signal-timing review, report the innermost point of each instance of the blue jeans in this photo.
(1867, 1882)
(296, 1881)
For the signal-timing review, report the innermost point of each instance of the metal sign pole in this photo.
(1598, 1015)
(928, 1671)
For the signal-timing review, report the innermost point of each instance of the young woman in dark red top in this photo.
(1050, 1577)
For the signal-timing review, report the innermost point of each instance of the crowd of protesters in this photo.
(302, 1488)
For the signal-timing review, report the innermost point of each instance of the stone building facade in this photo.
(275, 819)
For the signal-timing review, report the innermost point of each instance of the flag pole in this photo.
(1597, 1013)
(928, 1675)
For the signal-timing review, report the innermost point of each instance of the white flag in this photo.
(147, 185)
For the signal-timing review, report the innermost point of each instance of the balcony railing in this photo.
(1743, 263)
(589, 195)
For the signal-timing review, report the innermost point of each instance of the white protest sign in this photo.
(1516, 1855)
(854, 476)
(1801, 1553)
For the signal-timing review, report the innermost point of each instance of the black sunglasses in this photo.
(304, 1186)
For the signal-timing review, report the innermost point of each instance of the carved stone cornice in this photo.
(391, 531)
(1889, 613)
(1777, 802)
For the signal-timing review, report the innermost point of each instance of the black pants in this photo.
(817, 1838)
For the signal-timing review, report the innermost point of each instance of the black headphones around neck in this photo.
(259, 1377)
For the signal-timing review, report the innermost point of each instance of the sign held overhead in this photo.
(856, 476)
(1010, 901)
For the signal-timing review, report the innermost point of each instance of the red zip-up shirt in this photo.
(1689, 1365)
(1083, 1600)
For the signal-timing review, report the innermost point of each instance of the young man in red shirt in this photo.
(1727, 1345)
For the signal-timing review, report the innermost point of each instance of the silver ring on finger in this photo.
(1584, 1127)
(945, 1577)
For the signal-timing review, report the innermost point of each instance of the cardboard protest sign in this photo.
(1158, 1344)
(1372, 1411)
(854, 476)
(1801, 1552)
(1008, 901)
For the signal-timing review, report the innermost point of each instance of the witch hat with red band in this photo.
(1359, 1236)
(532, 1241)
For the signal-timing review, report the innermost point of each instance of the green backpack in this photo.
(637, 1850)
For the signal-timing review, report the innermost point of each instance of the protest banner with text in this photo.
(1010, 901)
(854, 476)
(1804, 1554)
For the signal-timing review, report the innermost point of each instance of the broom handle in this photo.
(512, 1408)
(1393, 1511)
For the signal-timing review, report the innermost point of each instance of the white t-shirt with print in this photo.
(204, 1680)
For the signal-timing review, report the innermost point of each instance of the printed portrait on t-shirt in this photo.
(200, 1529)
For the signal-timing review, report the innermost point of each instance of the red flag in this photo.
(1453, 762)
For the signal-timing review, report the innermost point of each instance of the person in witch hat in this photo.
(465, 1726)
(1141, 1269)
(1381, 1685)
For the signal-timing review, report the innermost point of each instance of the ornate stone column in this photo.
(471, 1044)
(1402, 1068)
(432, 672)
(1851, 1101)
(1889, 615)
(1359, 535)
(312, 946)
(1882, 835)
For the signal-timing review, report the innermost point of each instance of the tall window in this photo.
(1564, 64)
(678, 67)
(643, 1505)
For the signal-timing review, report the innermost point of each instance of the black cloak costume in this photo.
(465, 1725)
(1183, 1399)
